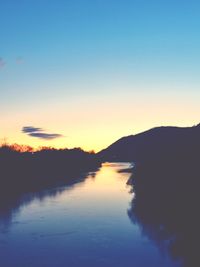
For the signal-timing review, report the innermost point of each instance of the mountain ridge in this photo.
(157, 140)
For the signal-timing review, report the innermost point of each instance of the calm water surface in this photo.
(85, 224)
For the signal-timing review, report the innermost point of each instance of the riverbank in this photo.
(166, 203)
(29, 172)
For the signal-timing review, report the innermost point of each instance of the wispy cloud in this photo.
(46, 136)
(2, 63)
(38, 132)
(31, 129)
(19, 60)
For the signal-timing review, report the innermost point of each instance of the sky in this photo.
(84, 73)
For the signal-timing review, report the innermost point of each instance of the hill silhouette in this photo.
(152, 144)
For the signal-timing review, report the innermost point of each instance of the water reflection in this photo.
(11, 205)
(85, 224)
(167, 213)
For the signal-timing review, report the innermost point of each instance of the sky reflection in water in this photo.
(82, 225)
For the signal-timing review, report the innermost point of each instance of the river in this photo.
(84, 224)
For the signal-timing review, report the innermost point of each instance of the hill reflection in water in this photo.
(166, 206)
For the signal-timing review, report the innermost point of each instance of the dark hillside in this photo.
(153, 144)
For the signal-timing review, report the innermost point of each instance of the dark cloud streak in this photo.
(39, 133)
(45, 136)
(31, 129)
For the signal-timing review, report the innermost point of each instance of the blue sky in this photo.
(68, 55)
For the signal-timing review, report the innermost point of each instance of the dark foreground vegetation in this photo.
(22, 172)
(167, 196)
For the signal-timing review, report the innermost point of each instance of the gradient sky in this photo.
(96, 70)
